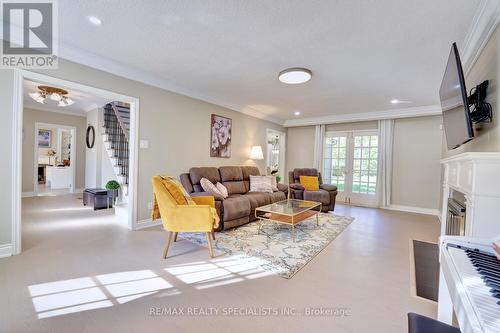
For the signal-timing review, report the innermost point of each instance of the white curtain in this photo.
(319, 139)
(384, 177)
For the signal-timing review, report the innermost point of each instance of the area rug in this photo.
(274, 242)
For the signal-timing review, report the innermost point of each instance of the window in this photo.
(364, 170)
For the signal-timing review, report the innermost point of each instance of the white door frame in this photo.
(17, 134)
(40, 125)
(358, 199)
(282, 135)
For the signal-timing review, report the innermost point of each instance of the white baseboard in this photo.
(418, 210)
(143, 224)
(78, 190)
(5, 250)
(27, 194)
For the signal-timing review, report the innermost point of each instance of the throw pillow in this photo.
(209, 187)
(222, 189)
(310, 183)
(274, 183)
(177, 191)
(261, 184)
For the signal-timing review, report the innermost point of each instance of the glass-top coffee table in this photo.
(291, 212)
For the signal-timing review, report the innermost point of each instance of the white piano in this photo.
(469, 284)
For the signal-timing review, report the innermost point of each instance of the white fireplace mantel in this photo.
(477, 175)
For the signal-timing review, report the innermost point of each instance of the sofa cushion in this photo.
(236, 207)
(247, 172)
(235, 187)
(210, 173)
(277, 196)
(186, 182)
(318, 196)
(258, 199)
(231, 173)
(303, 172)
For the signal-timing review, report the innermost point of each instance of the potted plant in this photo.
(113, 186)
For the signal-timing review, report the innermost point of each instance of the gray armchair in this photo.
(326, 194)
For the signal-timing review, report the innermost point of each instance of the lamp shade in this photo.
(256, 153)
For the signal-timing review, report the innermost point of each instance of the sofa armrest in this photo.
(282, 187)
(217, 197)
(297, 186)
(328, 187)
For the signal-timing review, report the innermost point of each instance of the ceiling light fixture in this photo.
(295, 75)
(55, 94)
(95, 20)
(297, 113)
(397, 101)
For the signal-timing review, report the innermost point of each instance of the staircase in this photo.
(116, 136)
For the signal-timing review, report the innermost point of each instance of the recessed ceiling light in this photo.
(297, 113)
(397, 101)
(295, 75)
(95, 20)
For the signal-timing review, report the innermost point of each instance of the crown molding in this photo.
(80, 56)
(47, 109)
(483, 25)
(421, 111)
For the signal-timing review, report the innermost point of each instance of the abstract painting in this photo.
(44, 137)
(220, 145)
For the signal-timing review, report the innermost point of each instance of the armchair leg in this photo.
(175, 236)
(209, 241)
(169, 240)
(213, 235)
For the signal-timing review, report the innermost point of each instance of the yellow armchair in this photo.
(183, 214)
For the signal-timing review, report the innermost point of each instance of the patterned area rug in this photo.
(274, 242)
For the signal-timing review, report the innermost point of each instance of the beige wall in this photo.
(416, 176)
(177, 127)
(485, 68)
(299, 148)
(30, 117)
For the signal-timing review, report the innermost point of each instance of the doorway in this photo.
(54, 159)
(350, 162)
(20, 92)
(275, 154)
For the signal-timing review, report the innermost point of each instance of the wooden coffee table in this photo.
(290, 212)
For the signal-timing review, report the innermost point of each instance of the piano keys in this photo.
(469, 284)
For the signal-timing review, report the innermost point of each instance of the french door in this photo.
(350, 162)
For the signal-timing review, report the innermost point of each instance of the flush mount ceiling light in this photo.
(297, 113)
(95, 20)
(54, 94)
(295, 75)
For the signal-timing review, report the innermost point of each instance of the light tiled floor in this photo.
(83, 271)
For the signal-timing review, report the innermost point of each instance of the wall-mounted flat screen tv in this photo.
(453, 94)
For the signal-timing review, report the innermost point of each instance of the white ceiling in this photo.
(84, 102)
(362, 53)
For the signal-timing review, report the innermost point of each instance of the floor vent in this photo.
(426, 261)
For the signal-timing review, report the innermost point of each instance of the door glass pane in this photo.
(334, 161)
(365, 164)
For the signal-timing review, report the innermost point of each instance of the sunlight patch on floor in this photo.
(82, 294)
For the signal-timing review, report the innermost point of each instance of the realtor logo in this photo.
(29, 34)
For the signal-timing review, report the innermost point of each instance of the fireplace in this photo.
(455, 220)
